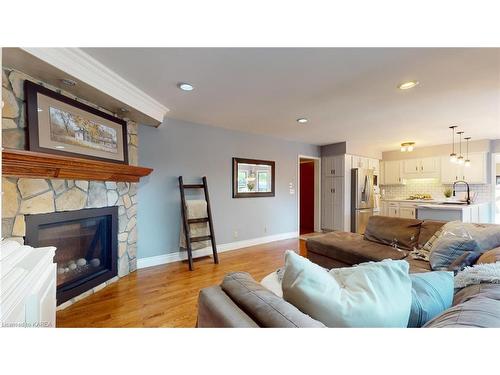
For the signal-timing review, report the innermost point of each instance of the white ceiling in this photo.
(347, 94)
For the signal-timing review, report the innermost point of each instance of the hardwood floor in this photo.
(166, 295)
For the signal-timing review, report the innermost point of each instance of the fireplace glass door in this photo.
(86, 246)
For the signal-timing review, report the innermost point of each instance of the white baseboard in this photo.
(182, 255)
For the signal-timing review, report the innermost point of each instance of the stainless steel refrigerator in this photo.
(362, 199)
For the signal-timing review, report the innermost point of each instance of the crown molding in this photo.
(85, 68)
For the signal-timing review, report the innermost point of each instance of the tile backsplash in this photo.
(432, 187)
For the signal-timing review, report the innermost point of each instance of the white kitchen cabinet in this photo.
(421, 168)
(333, 203)
(392, 173)
(407, 211)
(374, 164)
(476, 173)
(393, 210)
(333, 165)
(430, 167)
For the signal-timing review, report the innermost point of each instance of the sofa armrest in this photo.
(217, 310)
(490, 256)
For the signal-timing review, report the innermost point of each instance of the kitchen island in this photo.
(467, 213)
(435, 209)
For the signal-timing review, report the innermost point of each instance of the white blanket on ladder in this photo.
(196, 209)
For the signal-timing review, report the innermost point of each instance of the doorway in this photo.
(308, 195)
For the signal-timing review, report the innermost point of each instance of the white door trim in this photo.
(317, 191)
(493, 174)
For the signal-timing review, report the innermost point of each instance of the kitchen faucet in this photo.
(468, 189)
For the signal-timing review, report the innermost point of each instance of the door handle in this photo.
(416, 168)
(422, 168)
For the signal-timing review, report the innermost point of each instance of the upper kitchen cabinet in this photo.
(476, 173)
(365, 163)
(392, 173)
(333, 166)
(421, 168)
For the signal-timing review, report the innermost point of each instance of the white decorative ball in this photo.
(66, 269)
(81, 262)
(95, 262)
(60, 271)
(72, 266)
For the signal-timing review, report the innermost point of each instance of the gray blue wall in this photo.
(192, 150)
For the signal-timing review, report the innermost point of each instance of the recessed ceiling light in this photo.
(407, 85)
(302, 120)
(68, 82)
(185, 86)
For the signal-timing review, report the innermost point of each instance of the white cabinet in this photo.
(393, 210)
(28, 286)
(476, 173)
(421, 168)
(333, 165)
(332, 204)
(407, 211)
(392, 173)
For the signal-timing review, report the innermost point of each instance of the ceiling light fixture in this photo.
(407, 146)
(460, 159)
(302, 120)
(185, 86)
(453, 155)
(407, 85)
(68, 82)
(467, 160)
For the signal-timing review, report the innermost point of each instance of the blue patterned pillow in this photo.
(432, 293)
(449, 248)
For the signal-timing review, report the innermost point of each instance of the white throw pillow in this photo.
(374, 294)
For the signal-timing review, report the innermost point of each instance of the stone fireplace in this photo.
(31, 196)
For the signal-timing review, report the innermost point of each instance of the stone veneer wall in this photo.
(23, 196)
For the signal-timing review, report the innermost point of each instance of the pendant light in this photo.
(453, 155)
(460, 159)
(467, 161)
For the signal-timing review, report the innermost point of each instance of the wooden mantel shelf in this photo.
(21, 163)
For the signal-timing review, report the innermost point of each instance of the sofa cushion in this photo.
(429, 231)
(368, 295)
(351, 248)
(432, 293)
(388, 230)
(491, 256)
(262, 305)
(474, 306)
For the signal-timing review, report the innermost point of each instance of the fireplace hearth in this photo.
(86, 242)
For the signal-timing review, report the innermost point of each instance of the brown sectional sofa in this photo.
(241, 302)
(344, 249)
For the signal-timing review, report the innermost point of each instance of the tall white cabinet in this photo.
(333, 192)
(336, 189)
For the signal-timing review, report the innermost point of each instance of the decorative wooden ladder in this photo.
(186, 221)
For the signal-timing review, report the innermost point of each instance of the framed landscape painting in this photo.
(60, 125)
